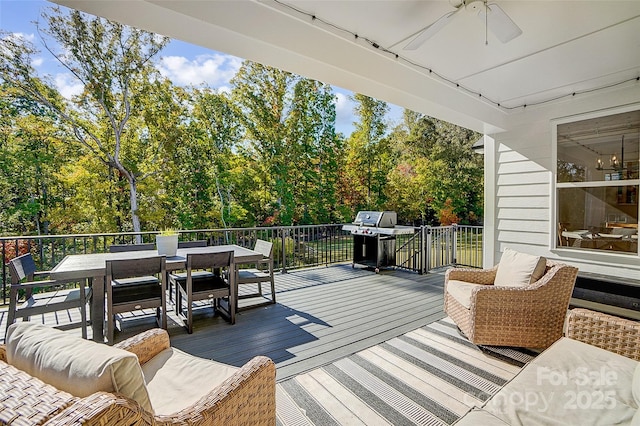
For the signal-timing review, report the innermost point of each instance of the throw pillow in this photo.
(519, 269)
(72, 364)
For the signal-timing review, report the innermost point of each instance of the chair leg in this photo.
(110, 327)
(273, 290)
(13, 302)
(178, 300)
(163, 298)
(189, 315)
(168, 289)
(83, 309)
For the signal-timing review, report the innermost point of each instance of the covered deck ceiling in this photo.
(462, 74)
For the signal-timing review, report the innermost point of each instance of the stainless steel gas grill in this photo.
(374, 238)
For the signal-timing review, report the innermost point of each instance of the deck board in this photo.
(322, 314)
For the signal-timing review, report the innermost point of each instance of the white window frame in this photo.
(555, 185)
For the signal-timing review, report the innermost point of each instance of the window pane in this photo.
(599, 149)
(599, 218)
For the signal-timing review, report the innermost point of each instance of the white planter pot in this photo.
(167, 244)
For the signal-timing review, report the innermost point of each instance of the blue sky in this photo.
(181, 62)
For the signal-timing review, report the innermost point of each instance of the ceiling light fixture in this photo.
(615, 163)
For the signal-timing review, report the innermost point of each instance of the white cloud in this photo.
(67, 85)
(37, 62)
(344, 113)
(213, 70)
(28, 37)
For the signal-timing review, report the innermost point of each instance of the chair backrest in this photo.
(209, 260)
(129, 268)
(119, 248)
(22, 267)
(263, 247)
(188, 244)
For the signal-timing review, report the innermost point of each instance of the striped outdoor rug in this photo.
(429, 376)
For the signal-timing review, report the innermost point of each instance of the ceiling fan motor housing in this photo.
(468, 4)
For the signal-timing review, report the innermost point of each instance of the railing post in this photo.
(429, 244)
(4, 273)
(421, 250)
(283, 252)
(454, 246)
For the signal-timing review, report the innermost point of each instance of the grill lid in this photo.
(380, 219)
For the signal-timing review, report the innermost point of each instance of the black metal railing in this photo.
(294, 246)
(432, 247)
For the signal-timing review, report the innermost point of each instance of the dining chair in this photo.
(119, 248)
(209, 276)
(185, 244)
(263, 272)
(133, 285)
(189, 244)
(25, 280)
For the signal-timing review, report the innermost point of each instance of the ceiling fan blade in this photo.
(430, 31)
(499, 23)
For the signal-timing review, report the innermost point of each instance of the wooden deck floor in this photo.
(323, 314)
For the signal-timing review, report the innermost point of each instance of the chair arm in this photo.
(246, 398)
(470, 275)
(525, 299)
(147, 344)
(3, 353)
(35, 284)
(103, 408)
(44, 283)
(263, 261)
(609, 332)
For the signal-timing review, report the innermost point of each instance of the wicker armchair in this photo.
(608, 332)
(245, 398)
(532, 316)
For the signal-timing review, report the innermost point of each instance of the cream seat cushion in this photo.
(636, 385)
(519, 269)
(75, 365)
(636, 394)
(176, 380)
(461, 291)
(569, 383)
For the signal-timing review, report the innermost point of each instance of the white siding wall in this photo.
(520, 205)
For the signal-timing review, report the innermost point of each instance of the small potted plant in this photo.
(167, 242)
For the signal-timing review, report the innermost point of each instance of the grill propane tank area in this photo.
(374, 238)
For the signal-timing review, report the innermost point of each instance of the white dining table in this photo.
(92, 267)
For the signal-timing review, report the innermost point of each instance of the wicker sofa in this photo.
(236, 396)
(529, 315)
(589, 377)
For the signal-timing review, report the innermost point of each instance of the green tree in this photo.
(315, 149)
(214, 131)
(368, 159)
(437, 163)
(29, 188)
(111, 61)
(290, 132)
(262, 94)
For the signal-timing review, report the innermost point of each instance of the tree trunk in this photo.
(133, 196)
